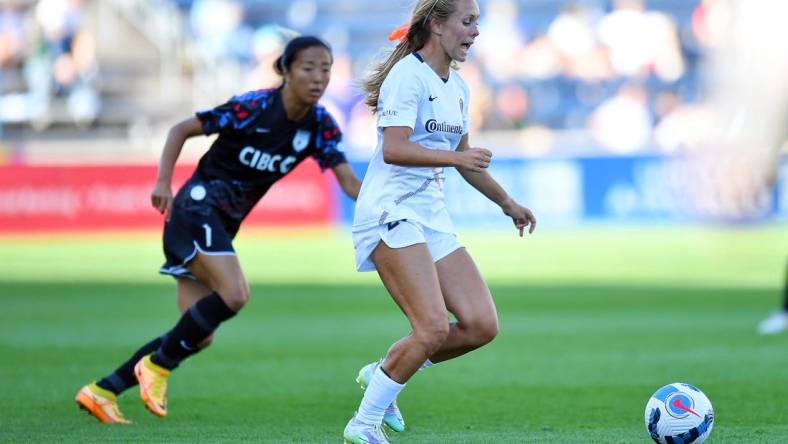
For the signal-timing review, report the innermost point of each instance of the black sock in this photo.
(785, 290)
(123, 377)
(785, 297)
(196, 324)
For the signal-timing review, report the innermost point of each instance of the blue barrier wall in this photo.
(616, 189)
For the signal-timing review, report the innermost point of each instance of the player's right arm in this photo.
(161, 196)
(401, 95)
(399, 150)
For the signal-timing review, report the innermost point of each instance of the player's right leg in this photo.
(360, 432)
(410, 277)
(392, 417)
(100, 403)
(98, 397)
(106, 390)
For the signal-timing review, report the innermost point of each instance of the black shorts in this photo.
(193, 227)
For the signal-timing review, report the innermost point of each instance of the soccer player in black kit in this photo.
(262, 136)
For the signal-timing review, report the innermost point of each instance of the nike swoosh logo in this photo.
(432, 98)
(186, 346)
(392, 225)
(677, 403)
(263, 130)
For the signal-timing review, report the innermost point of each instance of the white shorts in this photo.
(400, 234)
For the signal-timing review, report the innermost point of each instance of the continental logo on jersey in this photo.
(432, 126)
(259, 160)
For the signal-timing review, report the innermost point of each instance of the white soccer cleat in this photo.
(357, 432)
(392, 418)
(776, 322)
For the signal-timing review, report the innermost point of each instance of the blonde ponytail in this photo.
(417, 36)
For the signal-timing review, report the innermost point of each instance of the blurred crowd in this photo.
(616, 76)
(47, 53)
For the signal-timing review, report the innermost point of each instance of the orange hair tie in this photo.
(399, 33)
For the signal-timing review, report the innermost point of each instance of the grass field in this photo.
(592, 322)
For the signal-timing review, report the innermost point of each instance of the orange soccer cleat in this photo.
(100, 403)
(153, 385)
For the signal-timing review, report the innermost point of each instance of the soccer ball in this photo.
(679, 413)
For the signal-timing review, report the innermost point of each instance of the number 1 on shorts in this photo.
(207, 234)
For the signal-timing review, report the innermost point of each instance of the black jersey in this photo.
(257, 145)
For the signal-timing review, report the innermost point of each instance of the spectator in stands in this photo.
(622, 124)
(12, 37)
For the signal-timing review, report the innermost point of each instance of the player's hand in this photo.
(521, 216)
(474, 159)
(161, 199)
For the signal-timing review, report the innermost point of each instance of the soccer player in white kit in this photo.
(401, 227)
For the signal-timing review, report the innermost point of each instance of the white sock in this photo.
(378, 396)
(426, 364)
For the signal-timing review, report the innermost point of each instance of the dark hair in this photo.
(298, 44)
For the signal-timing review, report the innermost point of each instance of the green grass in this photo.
(592, 322)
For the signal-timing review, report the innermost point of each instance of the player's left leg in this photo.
(468, 298)
(223, 274)
(189, 293)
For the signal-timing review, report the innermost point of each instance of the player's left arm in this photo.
(484, 182)
(347, 180)
(330, 154)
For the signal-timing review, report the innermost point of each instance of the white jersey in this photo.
(415, 96)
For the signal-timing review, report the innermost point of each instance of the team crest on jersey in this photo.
(301, 140)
